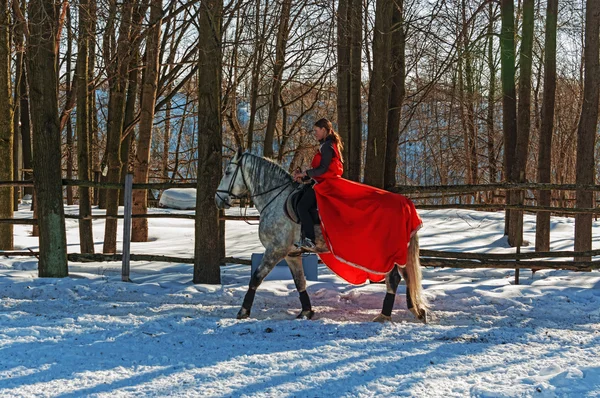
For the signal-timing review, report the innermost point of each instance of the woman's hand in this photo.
(299, 175)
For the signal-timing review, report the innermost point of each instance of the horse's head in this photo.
(232, 184)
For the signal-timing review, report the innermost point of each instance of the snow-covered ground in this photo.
(93, 335)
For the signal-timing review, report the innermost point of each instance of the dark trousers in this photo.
(307, 203)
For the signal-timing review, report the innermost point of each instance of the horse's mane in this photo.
(264, 170)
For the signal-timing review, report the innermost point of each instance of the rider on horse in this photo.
(327, 162)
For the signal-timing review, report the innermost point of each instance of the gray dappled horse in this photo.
(270, 186)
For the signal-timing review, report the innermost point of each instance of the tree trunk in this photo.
(344, 37)
(6, 128)
(509, 98)
(139, 231)
(282, 36)
(43, 87)
(542, 225)
(116, 114)
(86, 234)
(132, 96)
(94, 153)
(208, 248)
(379, 94)
(586, 132)
(471, 130)
(132, 92)
(108, 45)
(355, 136)
(166, 143)
(232, 114)
(515, 232)
(349, 35)
(258, 59)
(25, 128)
(18, 39)
(396, 95)
(491, 101)
(70, 148)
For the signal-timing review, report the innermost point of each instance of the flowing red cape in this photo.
(367, 230)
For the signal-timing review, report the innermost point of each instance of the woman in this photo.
(327, 163)
(367, 230)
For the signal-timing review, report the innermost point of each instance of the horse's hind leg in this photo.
(269, 260)
(295, 264)
(420, 313)
(392, 280)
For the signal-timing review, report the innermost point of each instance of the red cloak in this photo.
(367, 229)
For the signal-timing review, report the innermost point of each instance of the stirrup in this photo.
(306, 244)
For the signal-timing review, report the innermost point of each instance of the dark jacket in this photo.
(327, 154)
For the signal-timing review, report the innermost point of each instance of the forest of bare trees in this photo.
(423, 92)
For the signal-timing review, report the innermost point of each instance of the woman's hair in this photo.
(326, 124)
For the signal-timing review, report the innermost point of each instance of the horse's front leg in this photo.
(295, 264)
(269, 260)
(392, 280)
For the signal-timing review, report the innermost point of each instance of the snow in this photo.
(178, 198)
(92, 335)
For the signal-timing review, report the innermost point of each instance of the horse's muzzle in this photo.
(222, 203)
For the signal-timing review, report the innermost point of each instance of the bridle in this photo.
(233, 179)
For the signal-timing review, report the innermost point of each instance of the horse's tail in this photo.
(413, 269)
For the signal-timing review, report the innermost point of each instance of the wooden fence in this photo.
(429, 258)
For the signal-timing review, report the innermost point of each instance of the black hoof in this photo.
(243, 313)
(306, 314)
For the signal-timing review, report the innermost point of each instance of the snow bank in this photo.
(178, 198)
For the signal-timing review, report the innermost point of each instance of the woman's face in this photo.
(319, 132)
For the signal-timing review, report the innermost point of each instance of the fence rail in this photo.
(429, 258)
(426, 261)
(403, 189)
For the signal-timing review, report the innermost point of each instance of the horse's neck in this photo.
(259, 183)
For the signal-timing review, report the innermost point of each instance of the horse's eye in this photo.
(227, 172)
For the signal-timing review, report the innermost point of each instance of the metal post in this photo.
(127, 198)
(517, 270)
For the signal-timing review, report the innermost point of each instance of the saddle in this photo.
(290, 206)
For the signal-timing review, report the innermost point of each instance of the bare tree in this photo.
(491, 152)
(260, 39)
(397, 94)
(147, 104)
(274, 105)
(86, 233)
(208, 245)
(542, 225)
(69, 92)
(6, 127)
(43, 89)
(118, 77)
(587, 130)
(509, 98)
(515, 232)
(379, 94)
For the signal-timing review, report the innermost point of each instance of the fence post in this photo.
(96, 190)
(517, 270)
(127, 199)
